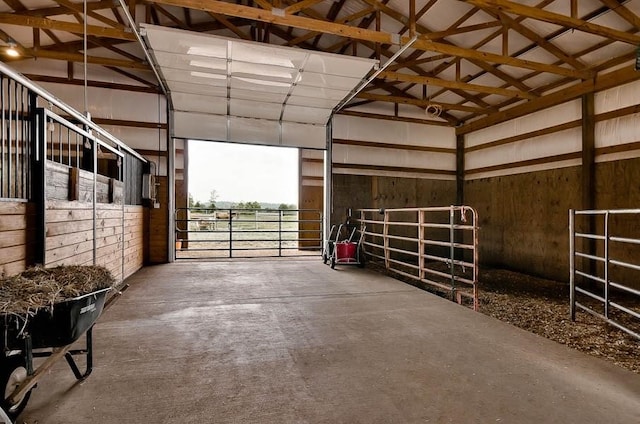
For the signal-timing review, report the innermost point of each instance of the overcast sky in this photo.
(243, 173)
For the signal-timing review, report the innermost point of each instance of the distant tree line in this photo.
(213, 197)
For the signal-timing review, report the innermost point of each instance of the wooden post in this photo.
(39, 179)
(74, 184)
(460, 170)
(588, 172)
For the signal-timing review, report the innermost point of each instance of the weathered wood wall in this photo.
(119, 229)
(16, 237)
(70, 235)
(135, 218)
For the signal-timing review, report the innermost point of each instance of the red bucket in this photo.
(346, 250)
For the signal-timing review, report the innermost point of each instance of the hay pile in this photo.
(36, 288)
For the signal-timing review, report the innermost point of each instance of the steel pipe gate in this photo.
(436, 246)
(604, 249)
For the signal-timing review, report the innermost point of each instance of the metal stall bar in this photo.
(610, 295)
(432, 256)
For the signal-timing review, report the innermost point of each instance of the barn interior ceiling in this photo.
(237, 82)
(474, 63)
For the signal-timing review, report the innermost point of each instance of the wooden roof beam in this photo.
(332, 15)
(364, 34)
(16, 5)
(299, 6)
(79, 8)
(79, 58)
(227, 23)
(603, 82)
(419, 79)
(171, 17)
(132, 76)
(46, 23)
(623, 12)
(394, 91)
(90, 83)
(486, 67)
(468, 97)
(345, 20)
(539, 40)
(421, 103)
(399, 17)
(60, 10)
(557, 19)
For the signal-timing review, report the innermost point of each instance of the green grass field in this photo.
(248, 234)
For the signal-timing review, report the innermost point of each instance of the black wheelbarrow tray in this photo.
(47, 334)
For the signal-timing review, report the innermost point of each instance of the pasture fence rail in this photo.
(604, 265)
(435, 246)
(215, 233)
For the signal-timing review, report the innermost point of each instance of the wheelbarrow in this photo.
(47, 334)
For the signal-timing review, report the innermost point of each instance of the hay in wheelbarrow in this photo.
(37, 288)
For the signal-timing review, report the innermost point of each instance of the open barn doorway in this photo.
(243, 200)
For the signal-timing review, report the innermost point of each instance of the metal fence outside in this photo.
(604, 252)
(436, 246)
(214, 233)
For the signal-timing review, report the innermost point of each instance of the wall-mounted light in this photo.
(11, 49)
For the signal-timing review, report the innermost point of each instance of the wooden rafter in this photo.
(332, 15)
(488, 68)
(434, 59)
(623, 12)
(419, 79)
(345, 20)
(538, 39)
(609, 80)
(171, 16)
(227, 23)
(91, 83)
(46, 23)
(557, 19)
(79, 58)
(78, 9)
(132, 76)
(60, 10)
(16, 5)
(299, 6)
(420, 103)
(365, 34)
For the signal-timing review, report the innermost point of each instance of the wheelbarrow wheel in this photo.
(13, 373)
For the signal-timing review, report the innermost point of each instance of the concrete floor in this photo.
(296, 342)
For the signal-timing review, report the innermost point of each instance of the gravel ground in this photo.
(542, 307)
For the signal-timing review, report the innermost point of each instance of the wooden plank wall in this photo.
(159, 224)
(15, 236)
(134, 242)
(70, 235)
(119, 234)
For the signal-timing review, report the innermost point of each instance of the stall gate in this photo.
(230, 233)
(604, 263)
(435, 246)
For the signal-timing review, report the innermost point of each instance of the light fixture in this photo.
(11, 49)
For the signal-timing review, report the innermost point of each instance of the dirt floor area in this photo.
(542, 307)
